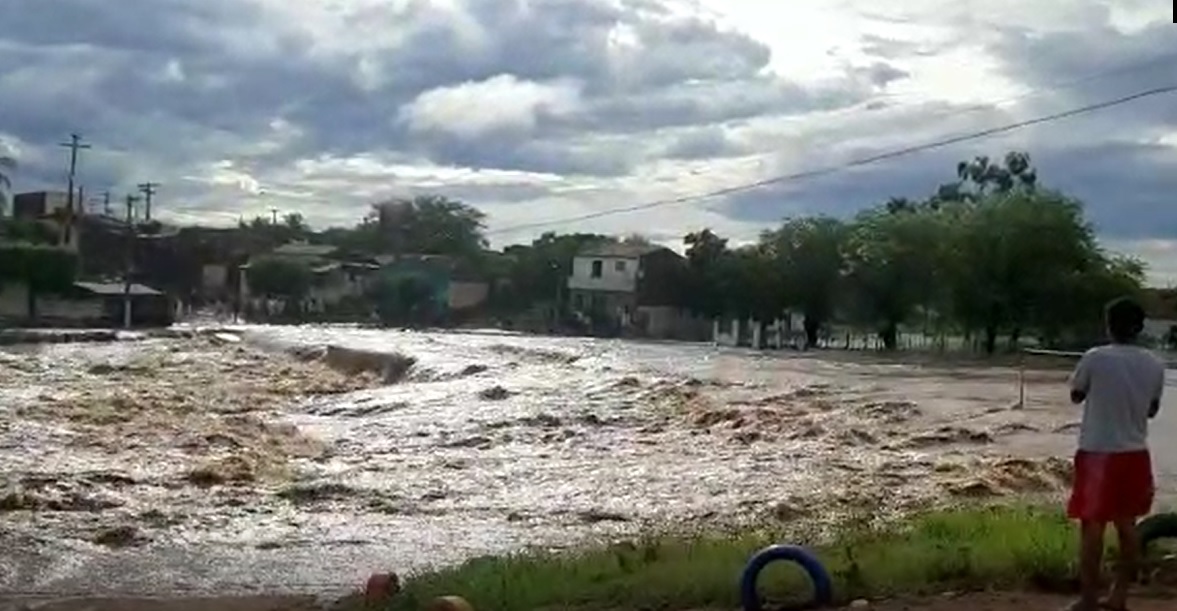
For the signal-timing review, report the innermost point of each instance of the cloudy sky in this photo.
(542, 110)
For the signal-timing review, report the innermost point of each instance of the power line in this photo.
(848, 165)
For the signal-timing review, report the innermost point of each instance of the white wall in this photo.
(611, 278)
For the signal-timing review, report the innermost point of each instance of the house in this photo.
(630, 288)
(304, 251)
(88, 304)
(329, 283)
(149, 307)
(337, 282)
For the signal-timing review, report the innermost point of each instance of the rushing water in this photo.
(491, 442)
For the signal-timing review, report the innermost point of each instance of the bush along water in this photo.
(956, 549)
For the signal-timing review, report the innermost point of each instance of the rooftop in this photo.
(628, 250)
(115, 288)
(304, 249)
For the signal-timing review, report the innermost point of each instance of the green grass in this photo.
(956, 549)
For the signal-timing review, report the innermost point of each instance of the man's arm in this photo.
(1154, 407)
(1080, 381)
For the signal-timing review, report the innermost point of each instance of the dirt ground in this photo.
(999, 601)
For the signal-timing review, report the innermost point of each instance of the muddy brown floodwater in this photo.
(275, 464)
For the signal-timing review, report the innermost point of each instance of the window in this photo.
(597, 268)
(619, 266)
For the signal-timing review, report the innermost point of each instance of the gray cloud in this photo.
(593, 92)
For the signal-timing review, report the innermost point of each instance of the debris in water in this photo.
(593, 516)
(494, 393)
(119, 537)
(470, 370)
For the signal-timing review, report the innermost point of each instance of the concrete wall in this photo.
(13, 300)
(213, 276)
(464, 295)
(67, 309)
(671, 322)
(611, 279)
(14, 305)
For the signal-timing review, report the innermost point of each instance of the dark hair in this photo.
(1125, 319)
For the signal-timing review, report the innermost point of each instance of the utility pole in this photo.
(147, 189)
(130, 263)
(106, 204)
(74, 145)
(274, 215)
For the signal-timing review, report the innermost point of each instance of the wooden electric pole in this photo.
(74, 145)
(130, 262)
(147, 189)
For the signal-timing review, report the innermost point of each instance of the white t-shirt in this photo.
(1121, 382)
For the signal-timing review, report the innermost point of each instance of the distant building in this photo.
(631, 288)
(52, 209)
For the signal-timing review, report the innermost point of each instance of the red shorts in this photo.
(1111, 486)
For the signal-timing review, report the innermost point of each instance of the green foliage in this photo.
(44, 269)
(404, 299)
(992, 254)
(808, 252)
(427, 224)
(280, 278)
(951, 550)
(26, 231)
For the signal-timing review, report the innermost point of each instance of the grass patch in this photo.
(956, 549)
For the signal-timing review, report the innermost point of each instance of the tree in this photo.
(295, 222)
(808, 254)
(892, 255)
(42, 269)
(1004, 275)
(754, 285)
(278, 278)
(27, 231)
(427, 224)
(707, 283)
(404, 299)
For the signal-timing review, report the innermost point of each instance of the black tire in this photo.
(1157, 526)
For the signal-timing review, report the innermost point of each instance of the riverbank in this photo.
(941, 553)
(996, 558)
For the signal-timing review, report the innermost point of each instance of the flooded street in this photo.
(275, 464)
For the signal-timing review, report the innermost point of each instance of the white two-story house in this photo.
(629, 287)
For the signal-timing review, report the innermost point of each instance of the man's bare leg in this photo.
(1090, 558)
(1128, 564)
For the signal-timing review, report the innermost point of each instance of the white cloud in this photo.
(501, 103)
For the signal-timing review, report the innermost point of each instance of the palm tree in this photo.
(7, 166)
